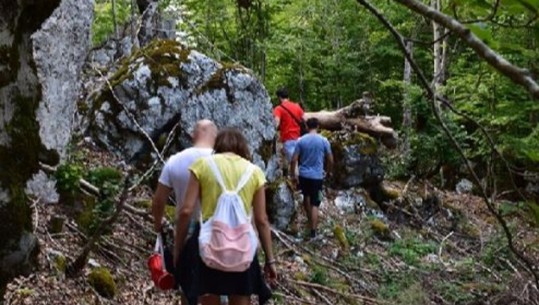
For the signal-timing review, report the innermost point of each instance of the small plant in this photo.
(411, 250)
(319, 275)
(68, 181)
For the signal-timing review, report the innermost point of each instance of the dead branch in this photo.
(336, 292)
(75, 267)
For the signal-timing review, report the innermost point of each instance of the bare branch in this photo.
(516, 74)
(490, 16)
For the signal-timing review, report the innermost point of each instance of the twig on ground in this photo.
(320, 295)
(440, 249)
(344, 294)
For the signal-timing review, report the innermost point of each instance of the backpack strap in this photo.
(245, 177)
(291, 114)
(217, 173)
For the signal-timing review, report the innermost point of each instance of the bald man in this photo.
(175, 173)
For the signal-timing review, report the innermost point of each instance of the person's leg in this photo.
(289, 148)
(209, 299)
(239, 300)
(304, 187)
(316, 190)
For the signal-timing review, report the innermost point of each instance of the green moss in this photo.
(170, 213)
(380, 228)
(102, 281)
(218, 79)
(367, 145)
(85, 216)
(163, 58)
(267, 150)
(143, 204)
(60, 263)
(340, 235)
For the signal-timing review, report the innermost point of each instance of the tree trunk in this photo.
(437, 50)
(355, 117)
(406, 104)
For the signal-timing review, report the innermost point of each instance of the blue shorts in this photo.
(289, 148)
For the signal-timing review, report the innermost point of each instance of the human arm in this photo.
(263, 227)
(329, 158)
(294, 163)
(159, 201)
(277, 115)
(184, 215)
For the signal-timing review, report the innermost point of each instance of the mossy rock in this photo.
(163, 58)
(391, 192)
(143, 204)
(60, 262)
(356, 161)
(170, 213)
(340, 235)
(380, 228)
(102, 281)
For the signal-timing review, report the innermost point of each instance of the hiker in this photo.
(175, 177)
(313, 151)
(289, 118)
(229, 187)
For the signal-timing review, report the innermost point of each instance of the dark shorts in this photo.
(311, 188)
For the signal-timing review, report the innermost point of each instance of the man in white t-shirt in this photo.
(175, 173)
(174, 177)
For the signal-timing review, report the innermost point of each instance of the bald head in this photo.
(204, 133)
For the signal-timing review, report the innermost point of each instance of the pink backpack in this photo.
(227, 240)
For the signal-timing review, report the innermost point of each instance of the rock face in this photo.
(356, 161)
(42, 48)
(165, 83)
(281, 205)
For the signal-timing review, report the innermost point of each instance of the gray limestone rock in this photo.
(166, 83)
(356, 161)
(43, 45)
(281, 205)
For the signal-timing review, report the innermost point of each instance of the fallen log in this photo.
(356, 117)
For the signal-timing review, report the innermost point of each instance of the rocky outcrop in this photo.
(166, 83)
(43, 46)
(356, 160)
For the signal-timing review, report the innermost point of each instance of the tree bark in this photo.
(518, 75)
(355, 117)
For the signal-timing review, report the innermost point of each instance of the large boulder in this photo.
(166, 83)
(43, 46)
(356, 160)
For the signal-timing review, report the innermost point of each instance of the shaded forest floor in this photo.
(428, 247)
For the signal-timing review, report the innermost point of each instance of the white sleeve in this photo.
(164, 178)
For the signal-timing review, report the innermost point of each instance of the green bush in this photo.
(68, 177)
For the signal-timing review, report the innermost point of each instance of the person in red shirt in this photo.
(289, 117)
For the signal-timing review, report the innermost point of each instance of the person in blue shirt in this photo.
(312, 152)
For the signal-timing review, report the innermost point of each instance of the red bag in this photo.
(160, 276)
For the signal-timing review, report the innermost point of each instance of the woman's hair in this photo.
(231, 140)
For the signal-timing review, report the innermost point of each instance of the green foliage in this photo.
(108, 180)
(102, 281)
(103, 26)
(68, 177)
(411, 250)
(319, 275)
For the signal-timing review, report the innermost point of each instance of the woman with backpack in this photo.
(231, 191)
